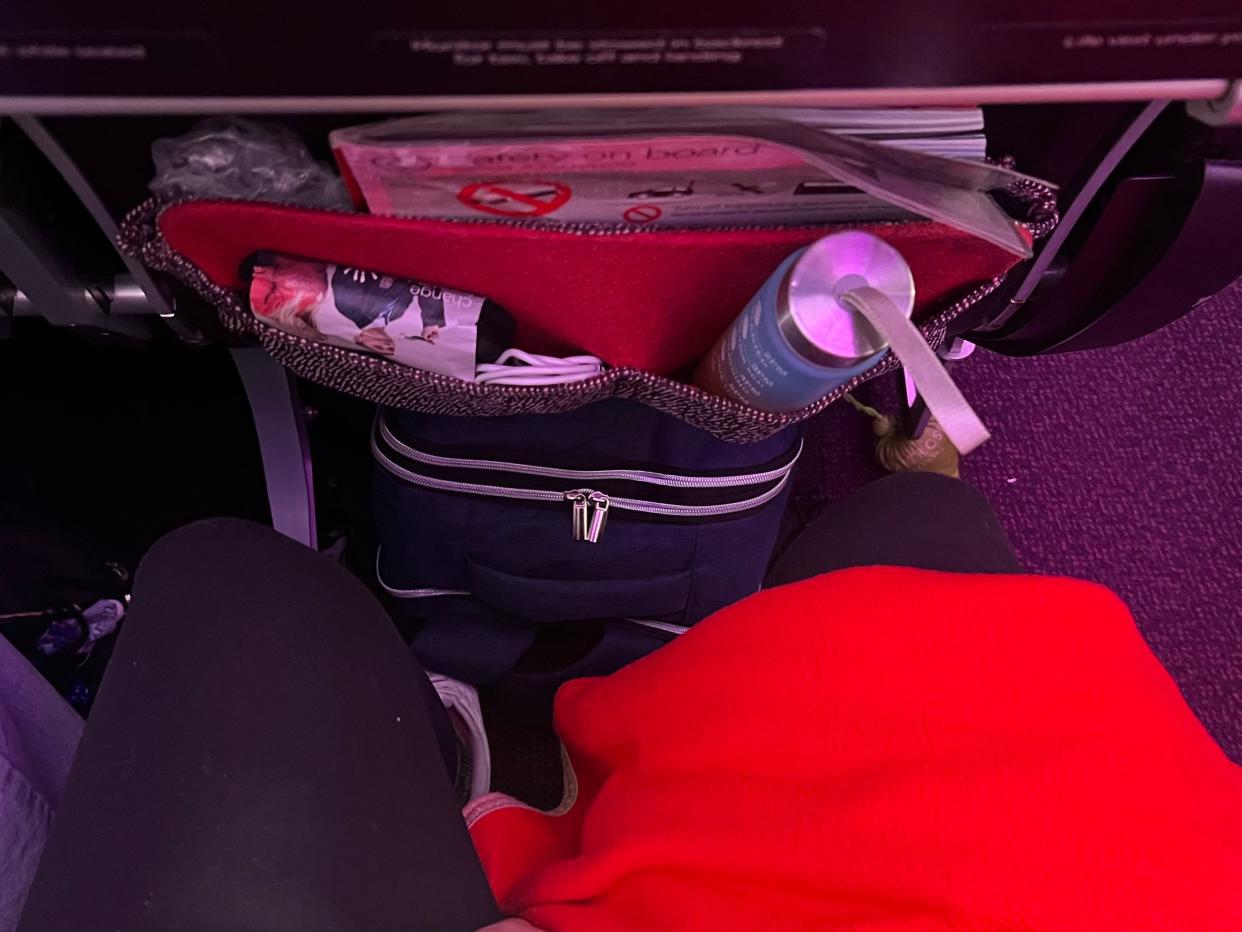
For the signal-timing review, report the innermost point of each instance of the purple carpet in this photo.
(1125, 466)
(1122, 466)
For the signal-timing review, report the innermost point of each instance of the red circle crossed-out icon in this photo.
(642, 213)
(515, 199)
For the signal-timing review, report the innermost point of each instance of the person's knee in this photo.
(215, 536)
(927, 488)
(213, 556)
(210, 530)
(937, 500)
(920, 480)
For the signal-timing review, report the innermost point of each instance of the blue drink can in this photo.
(796, 341)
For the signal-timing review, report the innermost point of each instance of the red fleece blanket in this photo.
(655, 300)
(883, 748)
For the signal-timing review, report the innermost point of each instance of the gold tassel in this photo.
(897, 451)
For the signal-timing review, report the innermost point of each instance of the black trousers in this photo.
(264, 754)
(918, 519)
(261, 756)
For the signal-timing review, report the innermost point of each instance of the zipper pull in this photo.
(580, 521)
(599, 516)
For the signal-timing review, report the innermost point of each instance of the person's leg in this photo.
(39, 733)
(917, 519)
(260, 757)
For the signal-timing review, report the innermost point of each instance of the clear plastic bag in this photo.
(396, 162)
(234, 158)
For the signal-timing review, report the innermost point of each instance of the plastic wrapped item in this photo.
(426, 326)
(236, 158)
(701, 167)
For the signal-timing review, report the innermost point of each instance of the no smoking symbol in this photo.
(517, 199)
(643, 213)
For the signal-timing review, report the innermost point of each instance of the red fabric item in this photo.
(656, 300)
(883, 748)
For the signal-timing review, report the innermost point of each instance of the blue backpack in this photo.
(598, 533)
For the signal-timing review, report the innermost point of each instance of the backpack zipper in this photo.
(589, 508)
(590, 513)
(669, 480)
(423, 592)
(666, 627)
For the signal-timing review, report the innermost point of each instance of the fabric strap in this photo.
(944, 399)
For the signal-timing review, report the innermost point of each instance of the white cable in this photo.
(518, 367)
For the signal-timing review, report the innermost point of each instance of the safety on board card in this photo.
(684, 181)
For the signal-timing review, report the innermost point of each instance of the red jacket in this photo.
(882, 748)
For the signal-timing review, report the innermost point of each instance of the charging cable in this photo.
(517, 367)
